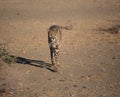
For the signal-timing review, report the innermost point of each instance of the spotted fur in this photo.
(54, 39)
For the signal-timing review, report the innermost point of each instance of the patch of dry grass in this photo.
(4, 55)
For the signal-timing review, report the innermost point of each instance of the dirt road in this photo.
(89, 58)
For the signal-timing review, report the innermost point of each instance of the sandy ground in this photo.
(89, 58)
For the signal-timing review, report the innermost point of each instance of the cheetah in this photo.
(54, 40)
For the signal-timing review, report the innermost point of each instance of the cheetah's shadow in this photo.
(36, 63)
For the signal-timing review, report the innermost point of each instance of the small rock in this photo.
(84, 87)
(18, 13)
(61, 80)
(113, 57)
(49, 78)
(74, 85)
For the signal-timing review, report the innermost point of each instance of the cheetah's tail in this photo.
(70, 27)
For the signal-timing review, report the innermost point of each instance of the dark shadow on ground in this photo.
(4, 55)
(36, 63)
